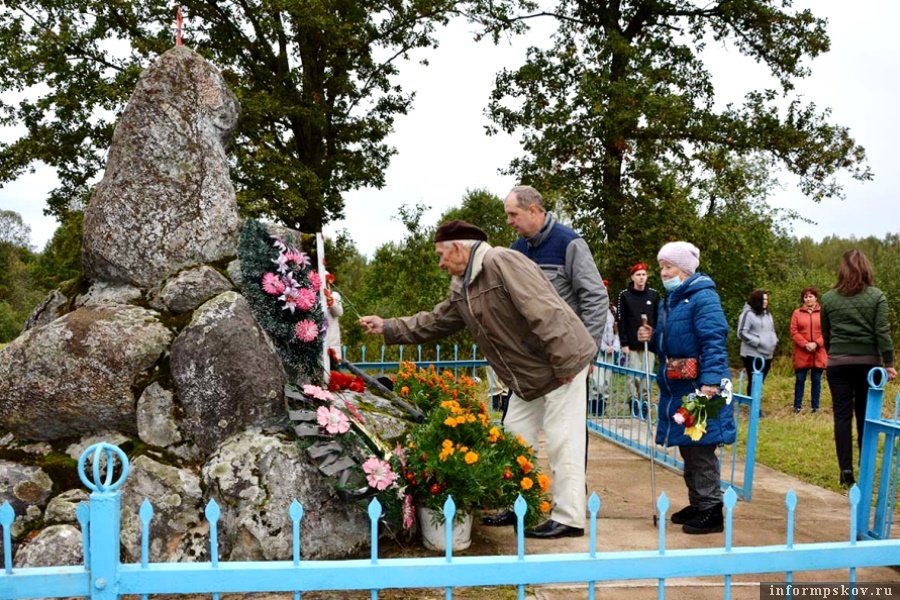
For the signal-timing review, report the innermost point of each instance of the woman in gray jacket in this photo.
(756, 330)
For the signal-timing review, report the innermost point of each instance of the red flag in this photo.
(178, 33)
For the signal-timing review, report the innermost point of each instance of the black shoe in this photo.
(502, 518)
(847, 478)
(815, 410)
(797, 410)
(551, 529)
(710, 520)
(685, 514)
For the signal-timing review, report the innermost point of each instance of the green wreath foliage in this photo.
(259, 253)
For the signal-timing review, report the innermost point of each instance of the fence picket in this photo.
(104, 577)
(7, 516)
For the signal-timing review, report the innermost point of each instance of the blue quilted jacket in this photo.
(691, 324)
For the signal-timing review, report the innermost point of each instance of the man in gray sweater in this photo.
(562, 254)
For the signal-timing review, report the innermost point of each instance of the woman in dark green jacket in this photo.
(857, 337)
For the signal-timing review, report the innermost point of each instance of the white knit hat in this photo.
(683, 255)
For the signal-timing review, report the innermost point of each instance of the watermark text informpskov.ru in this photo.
(828, 589)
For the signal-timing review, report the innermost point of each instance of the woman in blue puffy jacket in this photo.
(691, 324)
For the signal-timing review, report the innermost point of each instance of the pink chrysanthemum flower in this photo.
(301, 259)
(315, 281)
(333, 420)
(306, 299)
(378, 473)
(272, 284)
(306, 331)
(314, 391)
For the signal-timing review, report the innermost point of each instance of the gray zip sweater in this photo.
(757, 333)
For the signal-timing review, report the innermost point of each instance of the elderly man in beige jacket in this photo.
(534, 342)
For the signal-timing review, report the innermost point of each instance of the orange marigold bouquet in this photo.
(459, 451)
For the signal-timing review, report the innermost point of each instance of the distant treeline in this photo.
(403, 277)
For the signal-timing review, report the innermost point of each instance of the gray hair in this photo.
(463, 243)
(526, 196)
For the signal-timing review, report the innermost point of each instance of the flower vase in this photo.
(434, 535)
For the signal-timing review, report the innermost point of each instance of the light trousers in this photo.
(637, 387)
(561, 414)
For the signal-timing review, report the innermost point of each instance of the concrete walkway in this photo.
(622, 481)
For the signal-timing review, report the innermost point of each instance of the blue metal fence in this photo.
(629, 421)
(104, 577)
(879, 463)
(612, 412)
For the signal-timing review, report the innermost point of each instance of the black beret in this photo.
(458, 230)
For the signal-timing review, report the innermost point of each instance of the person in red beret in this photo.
(636, 300)
(535, 344)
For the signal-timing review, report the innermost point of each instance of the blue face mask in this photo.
(671, 284)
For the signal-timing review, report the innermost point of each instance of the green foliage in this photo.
(257, 253)
(61, 259)
(802, 445)
(18, 294)
(403, 277)
(482, 208)
(13, 230)
(618, 118)
(811, 264)
(316, 81)
(10, 323)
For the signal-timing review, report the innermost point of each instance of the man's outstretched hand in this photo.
(372, 325)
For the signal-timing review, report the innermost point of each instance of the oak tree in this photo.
(316, 81)
(618, 116)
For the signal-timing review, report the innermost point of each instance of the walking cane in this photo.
(650, 441)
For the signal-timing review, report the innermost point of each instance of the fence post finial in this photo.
(105, 510)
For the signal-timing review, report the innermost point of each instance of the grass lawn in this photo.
(802, 444)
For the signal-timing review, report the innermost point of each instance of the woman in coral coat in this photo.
(809, 348)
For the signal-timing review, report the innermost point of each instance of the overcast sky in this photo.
(443, 150)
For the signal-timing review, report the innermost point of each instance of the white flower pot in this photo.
(434, 536)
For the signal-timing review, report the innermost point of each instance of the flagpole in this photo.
(180, 21)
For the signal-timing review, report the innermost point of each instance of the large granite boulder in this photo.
(227, 373)
(23, 486)
(178, 532)
(47, 311)
(54, 546)
(254, 477)
(26, 489)
(166, 201)
(78, 373)
(64, 508)
(191, 288)
(156, 420)
(104, 292)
